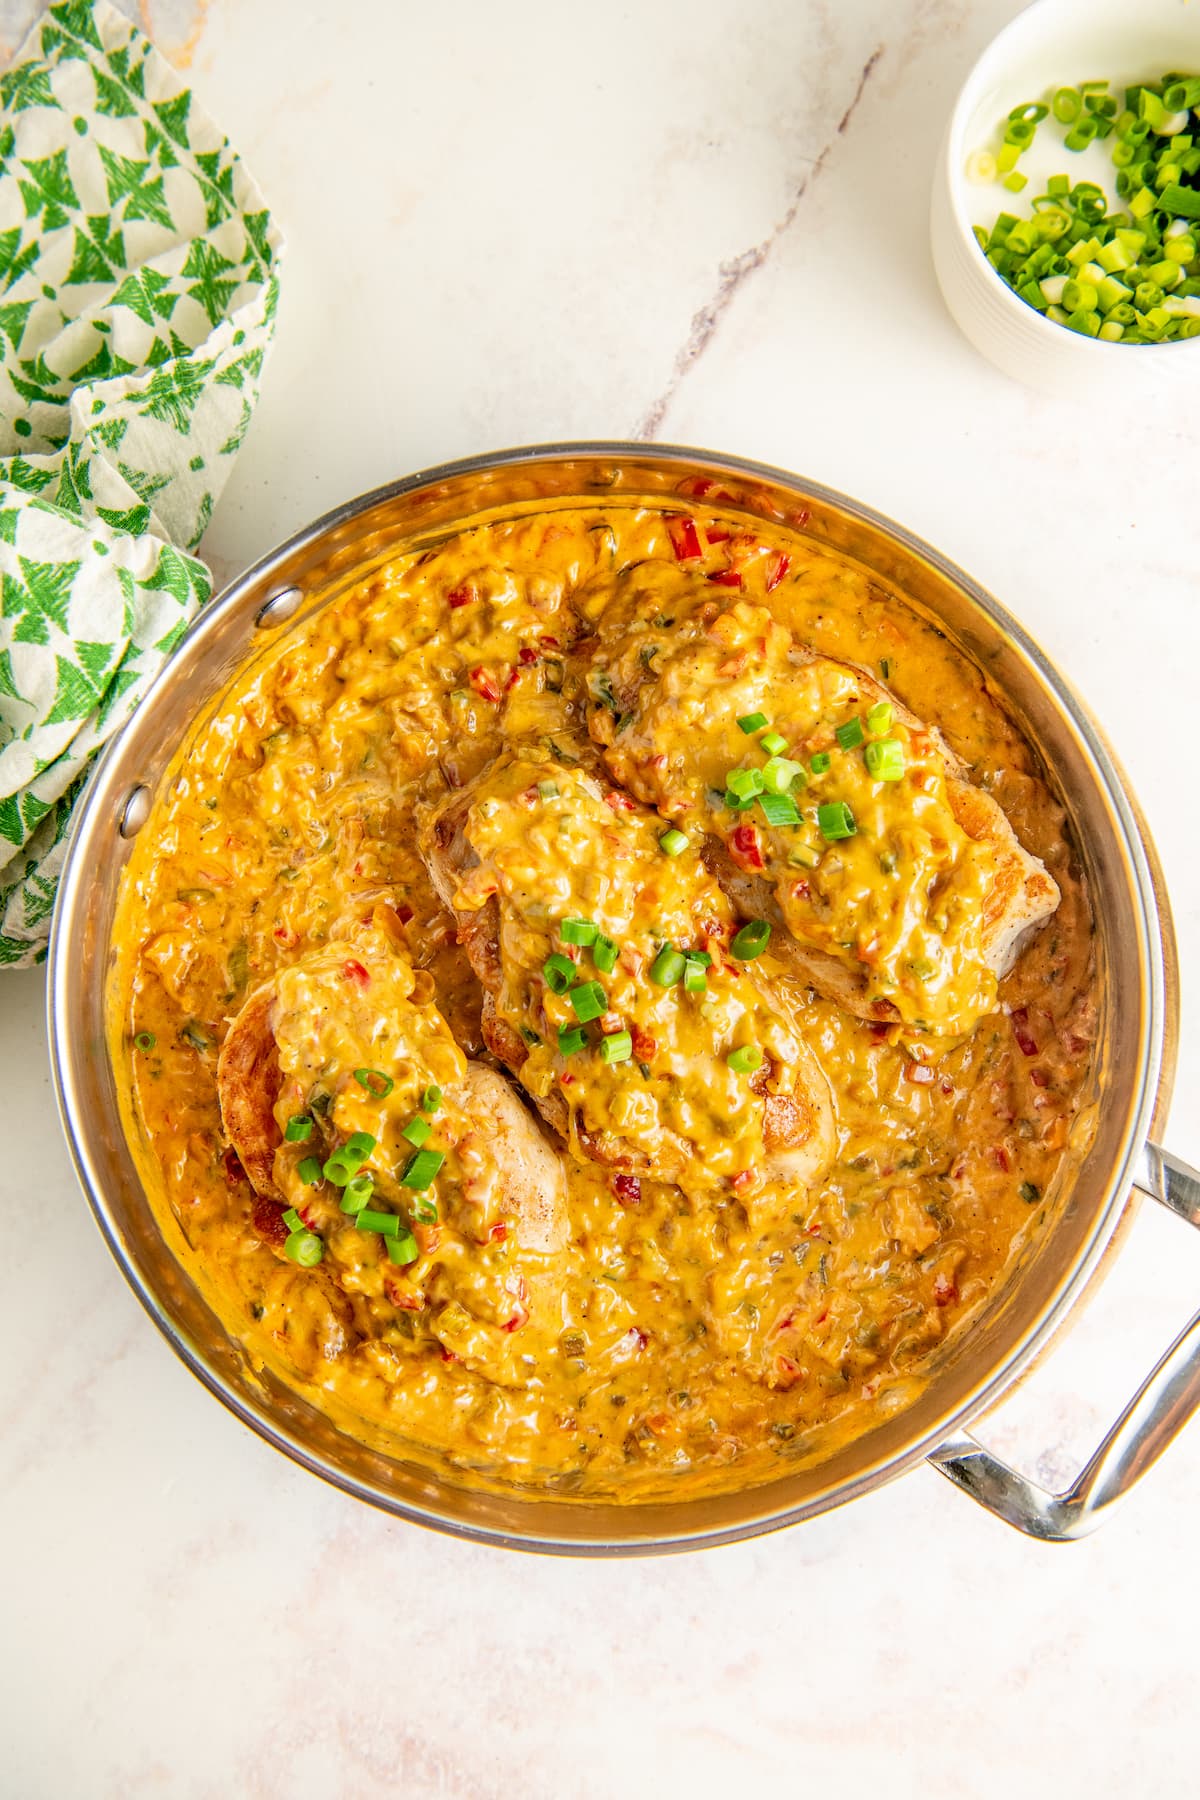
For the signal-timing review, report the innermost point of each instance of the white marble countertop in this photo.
(706, 224)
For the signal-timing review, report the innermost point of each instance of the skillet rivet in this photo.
(135, 811)
(279, 608)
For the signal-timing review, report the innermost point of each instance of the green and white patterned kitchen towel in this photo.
(138, 269)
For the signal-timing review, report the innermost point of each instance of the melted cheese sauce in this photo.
(682, 1342)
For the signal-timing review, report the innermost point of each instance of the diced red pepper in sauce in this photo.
(526, 655)
(944, 1290)
(618, 802)
(498, 1233)
(685, 539)
(267, 1219)
(745, 848)
(779, 569)
(1020, 1023)
(715, 533)
(406, 1299)
(405, 914)
(628, 1189)
(459, 596)
(512, 681)
(1001, 1158)
(726, 578)
(354, 971)
(484, 684)
(919, 1073)
(644, 1044)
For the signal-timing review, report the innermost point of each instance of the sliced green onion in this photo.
(779, 809)
(673, 842)
(424, 1210)
(293, 1221)
(885, 759)
(422, 1169)
(695, 981)
(772, 743)
(578, 931)
(431, 1099)
(781, 773)
(850, 735)
(1066, 105)
(310, 1171)
(349, 1159)
(751, 940)
(1180, 202)
(416, 1132)
(604, 955)
(548, 790)
(305, 1248)
(745, 783)
(377, 1084)
(571, 1038)
(667, 967)
(145, 1040)
(735, 803)
(357, 1193)
(588, 1001)
(386, 1223)
(745, 1060)
(835, 820)
(559, 972)
(402, 1248)
(298, 1130)
(617, 1047)
(752, 722)
(879, 718)
(820, 762)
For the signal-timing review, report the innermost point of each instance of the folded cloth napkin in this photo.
(138, 280)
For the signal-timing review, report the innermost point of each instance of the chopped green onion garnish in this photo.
(695, 981)
(850, 735)
(310, 1171)
(559, 972)
(305, 1248)
(779, 809)
(293, 1221)
(885, 759)
(422, 1169)
(416, 1132)
(588, 1001)
(578, 931)
(673, 841)
(548, 790)
(781, 773)
(735, 803)
(667, 967)
(820, 762)
(377, 1084)
(699, 956)
(357, 1193)
(835, 820)
(402, 1248)
(879, 718)
(745, 783)
(424, 1210)
(387, 1223)
(773, 743)
(745, 1060)
(571, 1038)
(752, 722)
(431, 1099)
(145, 1040)
(617, 1047)
(604, 955)
(298, 1130)
(349, 1159)
(751, 940)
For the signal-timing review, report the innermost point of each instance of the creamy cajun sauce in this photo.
(686, 1337)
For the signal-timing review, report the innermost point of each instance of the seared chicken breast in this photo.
(610, 989)
(825, 807)
(343, 1059)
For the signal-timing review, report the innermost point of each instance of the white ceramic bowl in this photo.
(1053, 43)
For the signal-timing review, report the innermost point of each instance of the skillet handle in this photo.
(1158, 1411)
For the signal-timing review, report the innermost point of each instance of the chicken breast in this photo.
(892, 883)
(579, 924)
(345, 1041)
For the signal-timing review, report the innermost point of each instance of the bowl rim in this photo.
(1157, 1042)
(957, 186)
